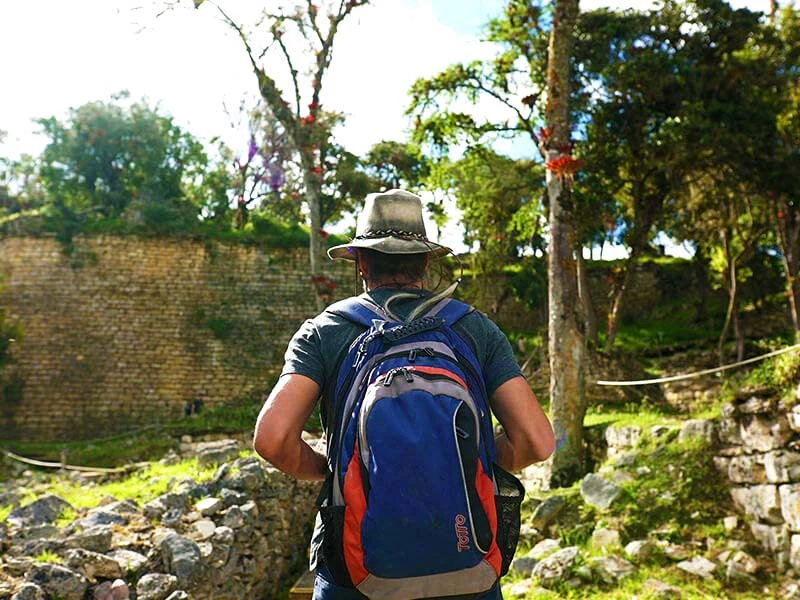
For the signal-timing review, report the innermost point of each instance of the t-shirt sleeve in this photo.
(501, 364)
(303, 355)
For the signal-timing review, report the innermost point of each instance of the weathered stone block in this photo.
(764, 433)
(729, 431)
(747, 468)
(622, 438)
(762, 502)
(790, 505)
(773, 538)
(782, 466)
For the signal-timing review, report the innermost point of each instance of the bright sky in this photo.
(59, 55)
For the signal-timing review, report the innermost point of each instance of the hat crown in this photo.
(395, 213)
(391, 222)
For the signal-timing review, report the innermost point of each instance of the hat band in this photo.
(398, 233)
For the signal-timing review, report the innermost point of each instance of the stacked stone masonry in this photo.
(124, 332)
(760, 455)
(242, 534)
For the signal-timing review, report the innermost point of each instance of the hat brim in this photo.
(387, 245)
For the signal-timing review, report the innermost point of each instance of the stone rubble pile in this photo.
(239, 535)
(760, 438)
(607, 559)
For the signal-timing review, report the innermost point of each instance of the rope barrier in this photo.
(699, 373)
(55, 465)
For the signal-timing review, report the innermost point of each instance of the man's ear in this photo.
(362, 269)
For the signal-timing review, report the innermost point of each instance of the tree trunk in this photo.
(789, 237)
(790, 269)
(615, 312)
(700, 281)
(738, 335)
(589, 315)
(315, 250)
(565, 342)
(732, 293)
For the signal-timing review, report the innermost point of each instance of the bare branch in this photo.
(267, 86)
(292, 71)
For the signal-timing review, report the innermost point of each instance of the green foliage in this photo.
(520, 35)
(66, 516)
(677, 496)
(271, 232)
(528, 280)
(47, 556)
(779, 373)
(500, 199)
(396, 164)
(111, 161)
(229, 417)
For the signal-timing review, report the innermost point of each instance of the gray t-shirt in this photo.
(319, 346)
(321, 343)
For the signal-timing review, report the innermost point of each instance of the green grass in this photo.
(632, 414)
(141, 486)
(144, 444)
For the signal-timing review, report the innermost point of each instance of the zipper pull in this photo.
(412, 355)
(429, 351)
(409, 375)
(387, 381)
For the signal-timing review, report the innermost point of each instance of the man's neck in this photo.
(398, 285)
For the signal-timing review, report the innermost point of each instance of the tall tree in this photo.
(397, 164)
(729, 216)
(109, 160)
(625, 154)
(783, 179)
(534, 57)
(566, 345)
(510, 224)
(296, 33)
(727, 126)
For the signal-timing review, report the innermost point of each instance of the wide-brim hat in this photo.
(391, 222)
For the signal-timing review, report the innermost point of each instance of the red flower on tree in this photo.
(563, 165)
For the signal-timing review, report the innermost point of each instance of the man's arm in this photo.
(528, 436)
(280, 425)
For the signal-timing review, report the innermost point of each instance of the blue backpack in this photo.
(414, 506)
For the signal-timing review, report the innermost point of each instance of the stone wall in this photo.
(242, 534)
(123, 332)
(760, 454)
(493, 294)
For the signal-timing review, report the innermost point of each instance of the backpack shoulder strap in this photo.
(450, 309)
(359, 309)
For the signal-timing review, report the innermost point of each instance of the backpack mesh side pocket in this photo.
(508, 501)
(332, 550)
